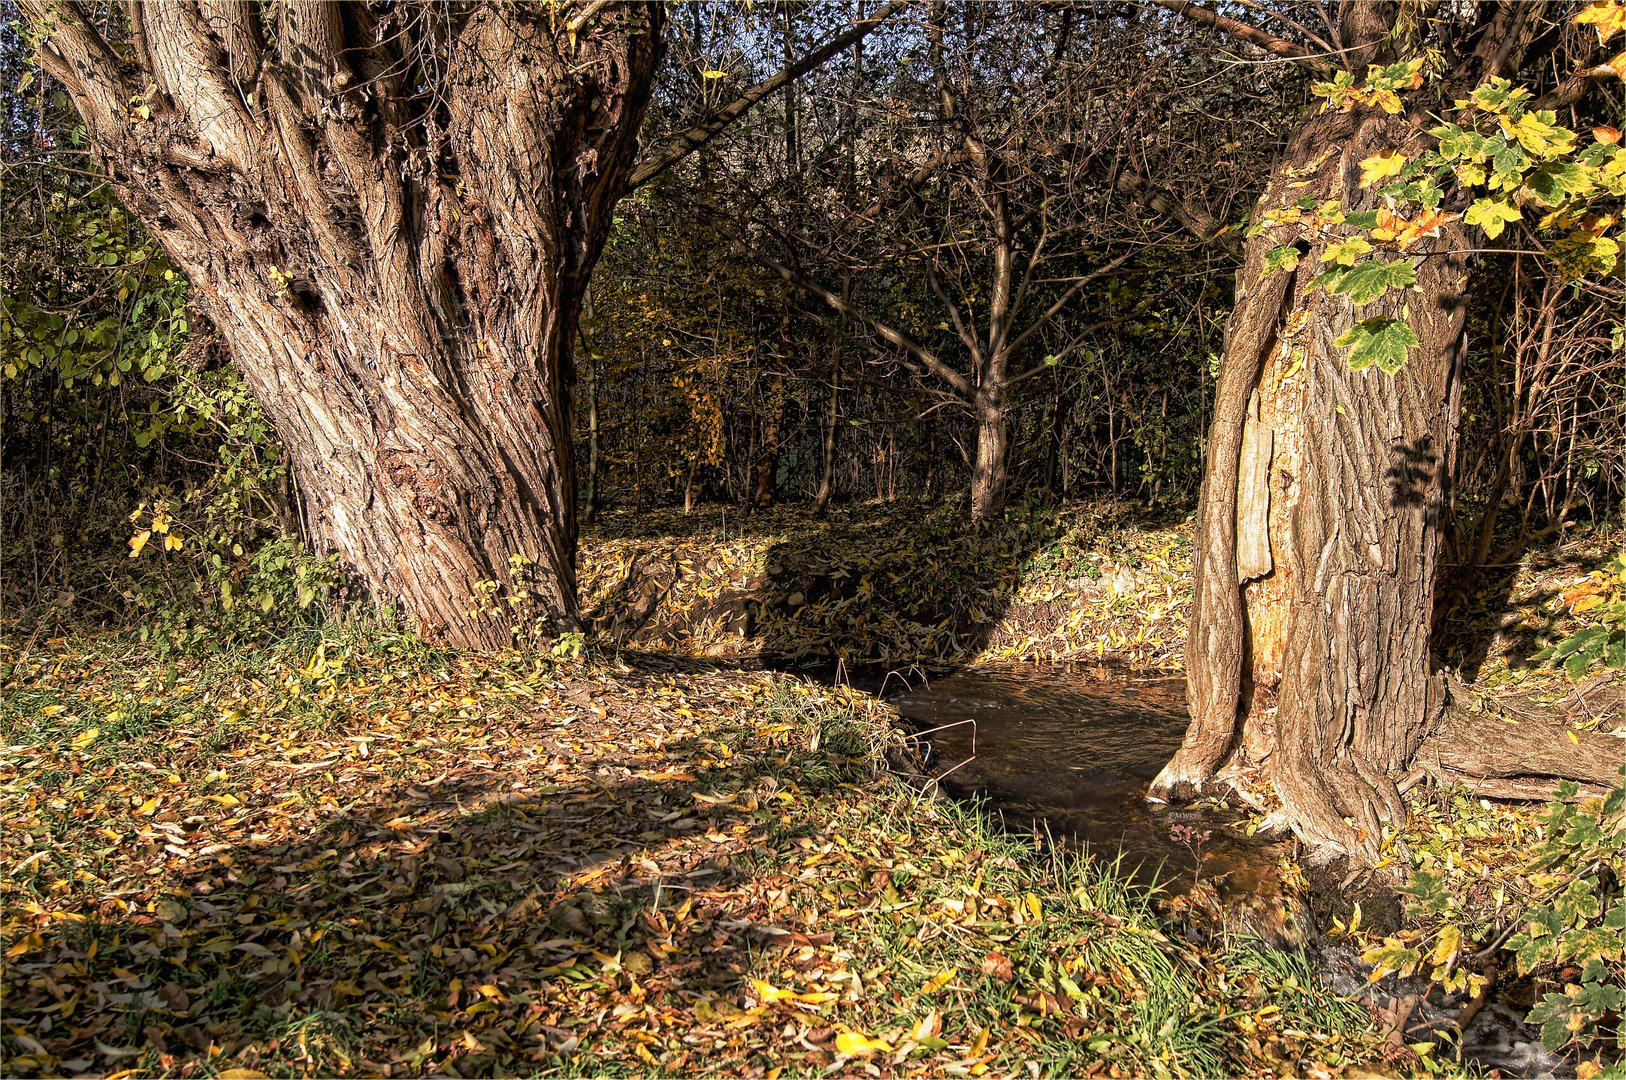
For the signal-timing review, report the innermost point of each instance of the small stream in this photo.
(1070, 753)
(1072, 756)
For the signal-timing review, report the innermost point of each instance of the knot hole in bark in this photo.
(425, 482)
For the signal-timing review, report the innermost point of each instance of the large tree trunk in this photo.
(1318, 526)
(391, 214)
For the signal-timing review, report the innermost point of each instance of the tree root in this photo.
(1497, 753)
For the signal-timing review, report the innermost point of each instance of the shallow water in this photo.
(1072, 755)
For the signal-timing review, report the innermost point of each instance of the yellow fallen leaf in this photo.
(768, 993)
(857, 1045)
(84, 738)
(149, 807)
(938, 981)
(53, 710)
(30, 941)
(1034, 907)
(224, 800)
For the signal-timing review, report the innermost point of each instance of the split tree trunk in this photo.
(390, 212)
(1319, 525)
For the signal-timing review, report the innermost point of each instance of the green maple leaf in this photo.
(1282, 258)
(1366, 281)
(1384, 342)
(1553, 182)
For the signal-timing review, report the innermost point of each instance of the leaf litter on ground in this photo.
(353, 855)
(343, 857)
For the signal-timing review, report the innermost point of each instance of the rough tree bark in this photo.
(390, 213)
(1318, 533)
(990, 469)
(1318, 525)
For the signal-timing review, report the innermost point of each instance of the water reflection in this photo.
(1072, 753)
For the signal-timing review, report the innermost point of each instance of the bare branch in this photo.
(691, 139)
(1068, 294)
(1241, 31)
(967, 338)
(923, 359)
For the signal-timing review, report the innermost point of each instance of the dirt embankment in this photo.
(884, 585)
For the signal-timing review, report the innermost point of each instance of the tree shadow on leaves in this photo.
(482, 922)
(1483, 609)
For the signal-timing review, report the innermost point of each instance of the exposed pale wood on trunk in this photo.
(1334, 638)
(1253, 497)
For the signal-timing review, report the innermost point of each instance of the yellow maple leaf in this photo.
(1381, 166)
(1608, 17)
